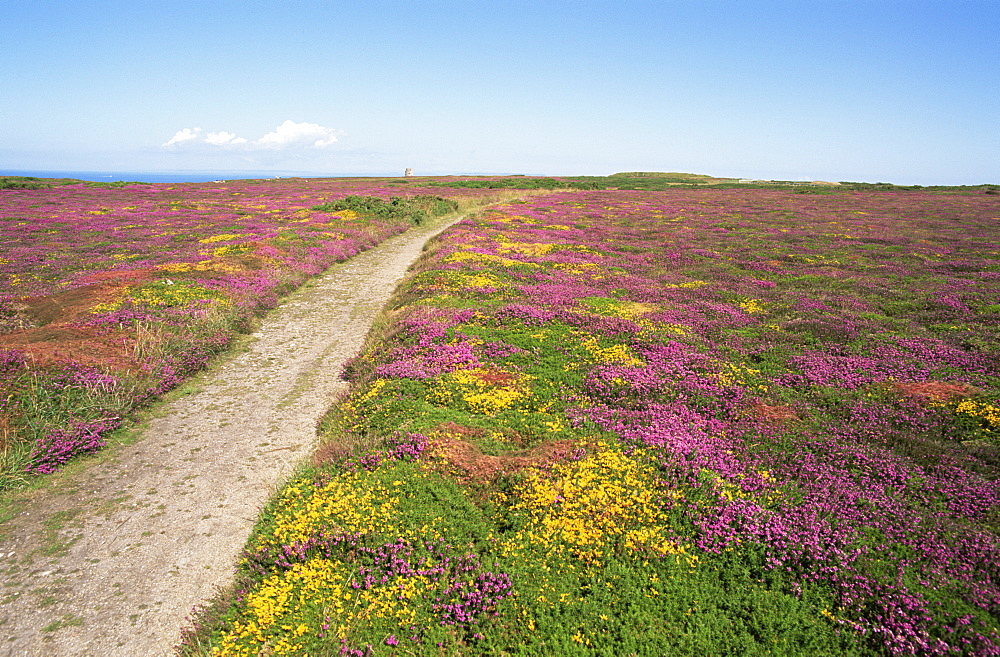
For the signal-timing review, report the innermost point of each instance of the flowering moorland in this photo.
(686, 422)
(110, 295)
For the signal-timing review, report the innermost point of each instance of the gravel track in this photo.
(112, 561)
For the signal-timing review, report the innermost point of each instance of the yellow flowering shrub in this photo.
(474, 280)
(690, 285)
(352, 410)
(509, 218)
(651, 328)
(988, 412)
(621, 308)
(485, 258)
(589, 269)
(603, 504)
(165, 293)
(351, 502)
(739, 374)
(272, 603)
(225, 237)
(767, 497)
(291, 607)
(527, 248)
(172, 295)
(201, 265)
(752, 306)
(980, 416)
(617, 354)
(484, 390)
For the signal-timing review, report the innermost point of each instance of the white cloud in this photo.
(291, 133)
(287, 136)
(222, 137)
(181, 136)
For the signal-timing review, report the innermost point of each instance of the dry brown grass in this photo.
(7, 433)
(934, 391)
(777, 414)
(466, 462)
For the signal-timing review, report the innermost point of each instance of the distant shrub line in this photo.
(639, 181)
(414, 209)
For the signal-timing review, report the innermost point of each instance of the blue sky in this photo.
(902, 92)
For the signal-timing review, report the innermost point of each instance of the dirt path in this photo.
(113, 563)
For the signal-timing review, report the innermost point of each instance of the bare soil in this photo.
(113, 559)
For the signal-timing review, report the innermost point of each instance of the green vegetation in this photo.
(672, 177)
(212, 260)
(33, 182)
(656, 181)
(633, 180)
(116, 184)
(27, 182)
(414, 209)
(683, 423)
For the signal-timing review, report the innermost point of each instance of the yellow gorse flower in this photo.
(738, 374)
(485, 258)
(276, 615)
(345, 215)
(589, 269)
(485, 390)
(988, 412)
(605, 503)
(231, 249)
(481, 279)
(621, 308)
(752, 306)
(690, 285)
(225, 237)
(616, 354)
(166, 293)
(509, 218)
(351, 502)
(527, 248)
(201, 265)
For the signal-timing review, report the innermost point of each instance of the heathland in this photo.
(696, 416)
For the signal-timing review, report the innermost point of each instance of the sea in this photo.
(177, 176)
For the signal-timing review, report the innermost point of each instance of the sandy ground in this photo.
(112, 562)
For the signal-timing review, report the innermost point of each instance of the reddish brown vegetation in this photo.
(468, 463)
(935, 391)
(57, 334)
(778, 414)
(495, 378)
